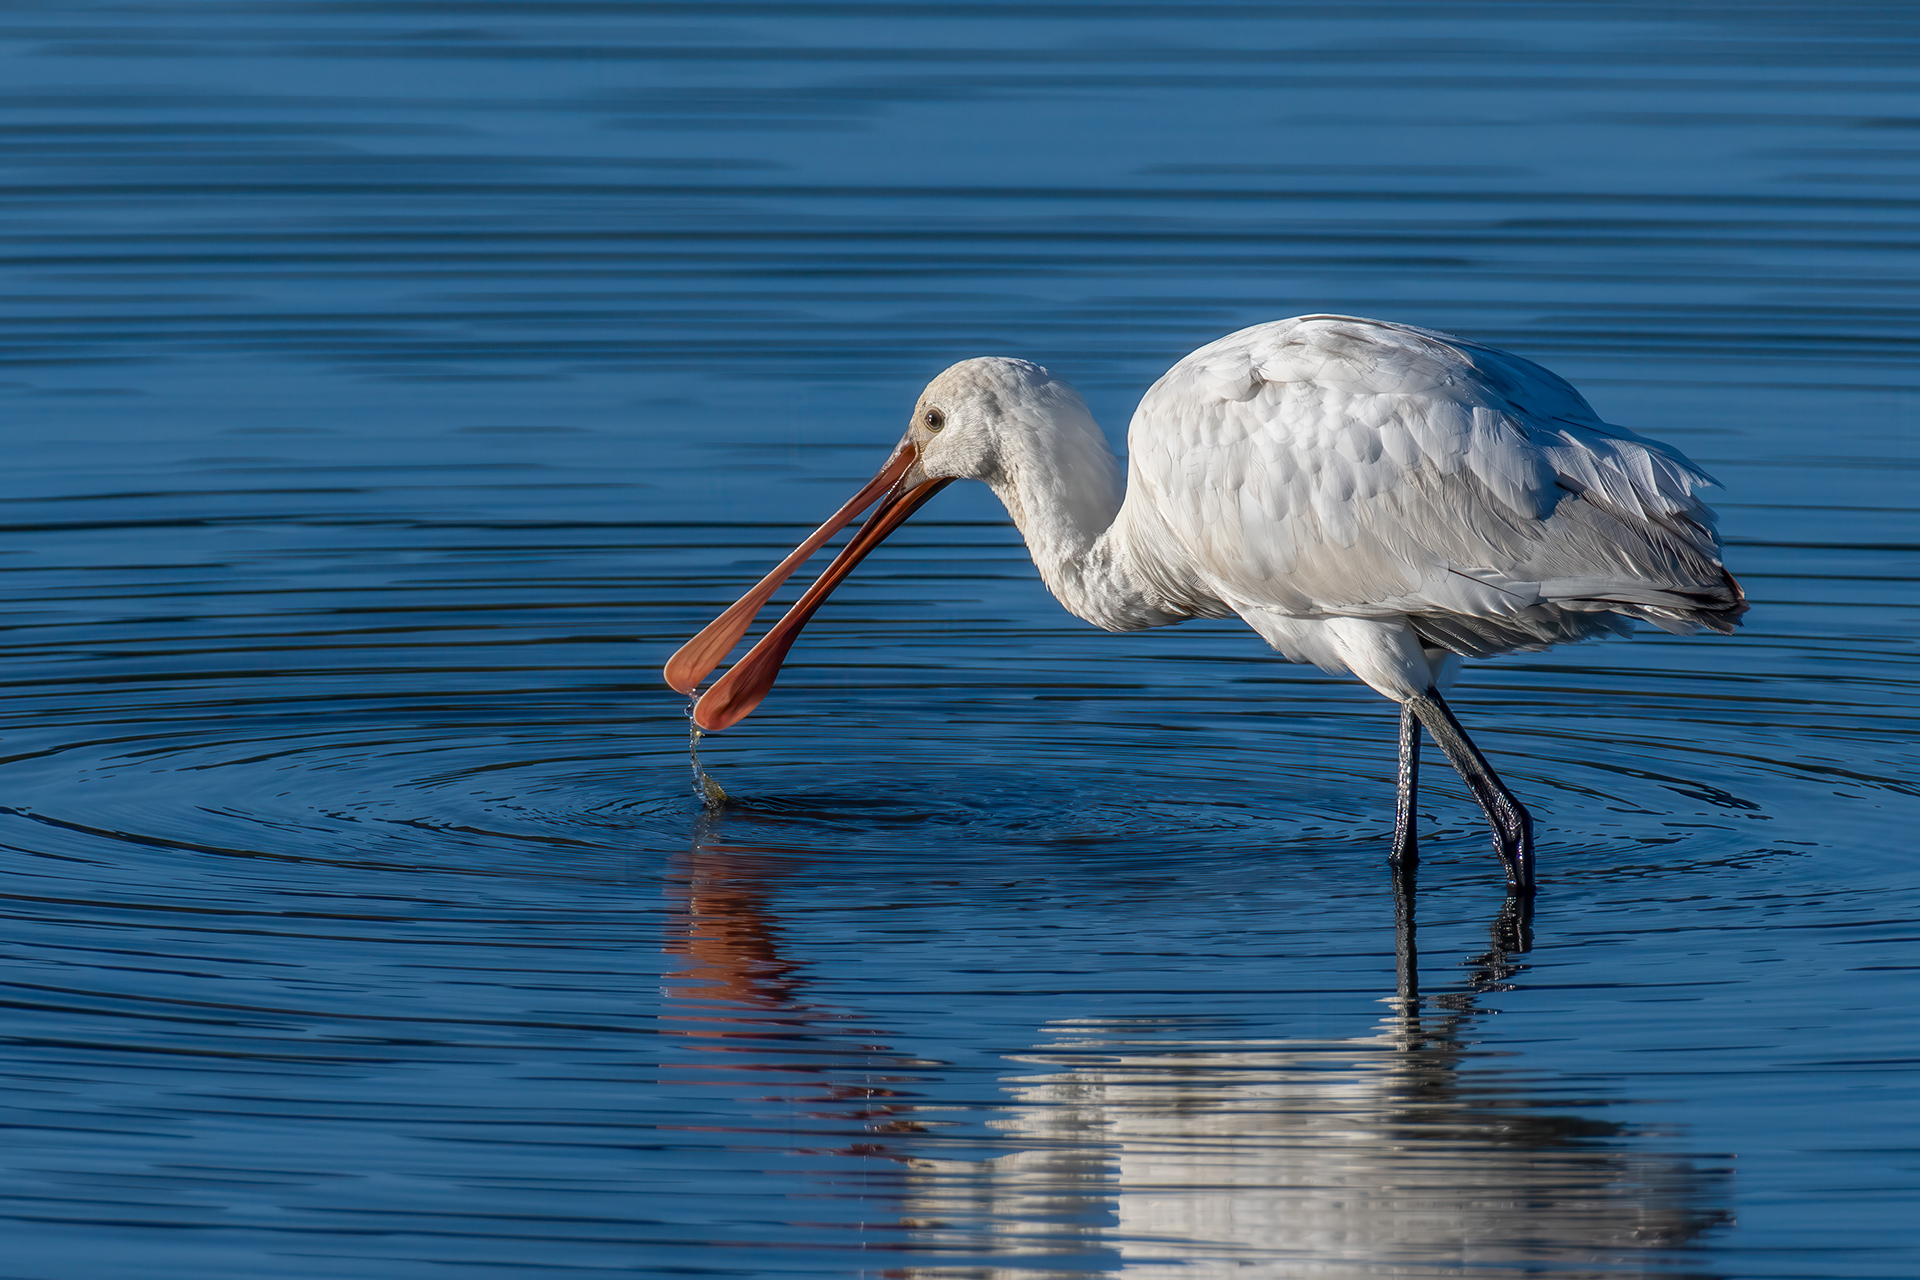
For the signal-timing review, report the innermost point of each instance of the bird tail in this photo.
(1686, 613)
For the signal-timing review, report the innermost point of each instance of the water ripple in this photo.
(392, 386)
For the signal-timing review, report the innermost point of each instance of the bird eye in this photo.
(934, 419)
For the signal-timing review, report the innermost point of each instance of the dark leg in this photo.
(1512, 824)
(1406, 954)
(1406, 818)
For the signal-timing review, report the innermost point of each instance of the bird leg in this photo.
(1406, 951)
(1406, 818)
(1512, 824)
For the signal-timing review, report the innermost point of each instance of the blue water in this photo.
(389, 388)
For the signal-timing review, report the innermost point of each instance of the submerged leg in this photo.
(1406, 952)
(1512, 824)
(1406, 818)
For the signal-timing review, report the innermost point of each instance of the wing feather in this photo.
(1330, 466)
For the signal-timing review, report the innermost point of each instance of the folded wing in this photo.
(1335, 466)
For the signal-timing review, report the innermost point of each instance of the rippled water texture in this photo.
(389, 387)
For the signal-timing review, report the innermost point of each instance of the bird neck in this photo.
(1063, 488)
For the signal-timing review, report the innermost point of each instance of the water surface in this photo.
(390, 387)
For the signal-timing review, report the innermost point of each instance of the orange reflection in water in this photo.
(725, 932)
(735, 993)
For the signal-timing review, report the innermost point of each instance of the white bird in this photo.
(1369, 497)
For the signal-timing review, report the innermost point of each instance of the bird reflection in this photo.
(1181, 1145)
(1175, 1150)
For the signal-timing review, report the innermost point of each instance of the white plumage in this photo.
(1454, 498)
(1370, 497)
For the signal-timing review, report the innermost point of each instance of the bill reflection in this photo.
(738, 1008)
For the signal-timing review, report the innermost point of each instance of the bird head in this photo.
(991, 419)
(985, 418)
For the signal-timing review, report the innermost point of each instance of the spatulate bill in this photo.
(738, 692)
(699, 656)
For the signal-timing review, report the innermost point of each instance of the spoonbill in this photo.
(1371, 498)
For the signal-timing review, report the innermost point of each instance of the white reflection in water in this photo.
(1378, 1155)
(1167, 1146)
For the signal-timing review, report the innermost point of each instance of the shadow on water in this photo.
(1170, 1145)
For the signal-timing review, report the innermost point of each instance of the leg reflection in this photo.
(1510, 934)
(1512, 929)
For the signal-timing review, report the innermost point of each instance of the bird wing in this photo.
(1329, 465)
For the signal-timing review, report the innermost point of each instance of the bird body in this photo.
(1371, 498)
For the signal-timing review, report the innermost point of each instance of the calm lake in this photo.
(389, 388)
